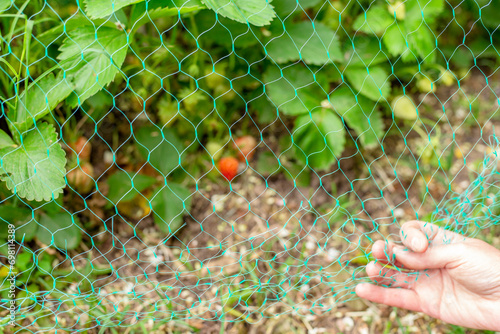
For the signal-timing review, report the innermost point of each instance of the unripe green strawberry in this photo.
(193, 70)
(398, 8)
(228, 167)
(191, 100)
(225, 93)
(167, 110)
(214, 149)
(403, 107)
(425, 85)
(214, 79)
(447, 78)
(333, 11)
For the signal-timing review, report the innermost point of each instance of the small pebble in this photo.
(348, 322)
(398, 213)
(108, 157)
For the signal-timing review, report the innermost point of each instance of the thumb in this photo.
(414, 239)
(417, 235)
(436, 256)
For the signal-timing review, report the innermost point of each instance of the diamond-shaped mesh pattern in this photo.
(232, 160)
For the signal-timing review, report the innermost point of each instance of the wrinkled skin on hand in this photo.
(447, 276)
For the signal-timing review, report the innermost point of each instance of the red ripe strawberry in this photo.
(228, 167)
(82, 147)
(81, 178)
(246, 147)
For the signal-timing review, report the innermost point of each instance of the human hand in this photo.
(451, 277)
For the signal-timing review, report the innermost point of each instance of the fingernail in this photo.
(417, 244)
(398, 248)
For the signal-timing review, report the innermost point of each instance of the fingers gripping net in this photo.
(164, 161)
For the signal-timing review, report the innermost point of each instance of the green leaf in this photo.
(5, 140)
(296, 172)
(298, 91)
(28, 295)
(79, 20)
(38, 100)
(260, 105)
(414, 38)
(51, 208)
(24, 261)
(371, 82)
(319, 139)
(125, 186)
(363, 51)
(4, 4)
(21, 217)
(285, 7)
(419, 43)
(360, 114)
(168, 206)
(256, 12)
(421, 12)
(226, 32)
(99, 105)
(147, 11)
(267, 163)
(375, 20)
(395, 40)
(35, 170)
(92, 58)
(315, 44)
(161, 149)
(63, 227)
(100, 8)
(489, 15)
(422, 44)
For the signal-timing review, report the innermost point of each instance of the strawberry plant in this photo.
(48, 70)
(88, 60)
(334, 90)
(331, 82)
(33, 164)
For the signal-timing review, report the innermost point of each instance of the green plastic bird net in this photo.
(163, 161)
